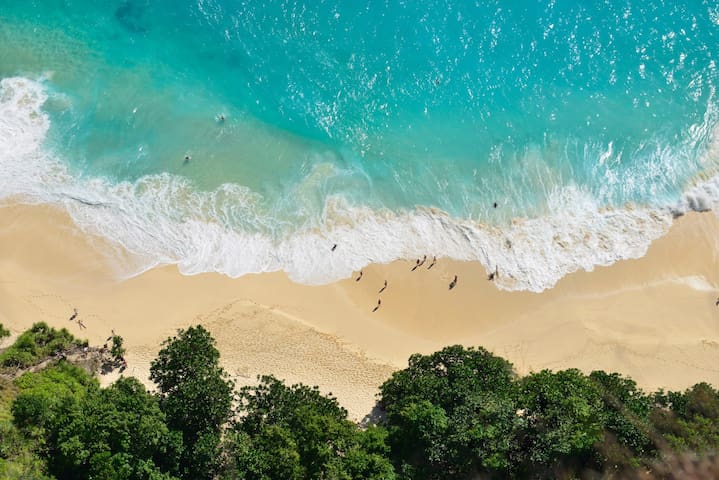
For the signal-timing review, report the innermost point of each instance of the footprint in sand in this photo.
(50, 307)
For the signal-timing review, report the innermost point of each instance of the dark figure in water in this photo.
(379, 302)
(383, 288)
(453, 283)
(334, 247)
(494, 275)
(359, 277)
(434, 260)
(494, 204)
(74, 315)
(187, 159)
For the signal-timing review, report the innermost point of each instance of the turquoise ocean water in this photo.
(387, 128)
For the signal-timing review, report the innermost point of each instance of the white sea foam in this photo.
(162, 219)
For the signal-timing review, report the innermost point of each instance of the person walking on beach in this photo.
(379, 302)
(112, 331)
(434, 260)
(74, 315)
(359, 277)
(416, 265)
(424, 259)
(717, 303)
(453, 283)
(80, 324)
(383, 288)
(494, 275)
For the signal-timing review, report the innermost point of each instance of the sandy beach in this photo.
(652, 318)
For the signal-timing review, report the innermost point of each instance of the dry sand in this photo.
(653, 318)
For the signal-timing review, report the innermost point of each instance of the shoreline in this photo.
(652, 318)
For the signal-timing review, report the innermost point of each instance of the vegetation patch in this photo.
(460, 413)
(36, 345)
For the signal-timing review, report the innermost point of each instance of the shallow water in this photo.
(389, 129)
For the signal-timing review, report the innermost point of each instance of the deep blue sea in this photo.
(388, 128)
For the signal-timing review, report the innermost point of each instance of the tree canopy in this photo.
(294, 432)
(562, 418)
(195, 394)
(451, 413)
(459, 413)
(115, 433)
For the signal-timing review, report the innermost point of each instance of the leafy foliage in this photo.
(88, 432)
(688, 420)
(37, 409)
(118, 432)
(451, 413)
(43, 395)
(462, 413)
(4, 332)
(295, 432)
(19, 455)
(563, 418)
(628, 433)
(195, 395)
(36, 344)
(272, 402)
(117, 350)
(459, 413)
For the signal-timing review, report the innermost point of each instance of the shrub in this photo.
(36, 344)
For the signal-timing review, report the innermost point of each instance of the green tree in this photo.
(272, 402)
(195, 395)
(269, 454)
(42, 396)
(20, 456)
(688, 420)
(563, 419)
(451, 414)
(117, 350)
(115, 433)
(295, 432)
(628, 434)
